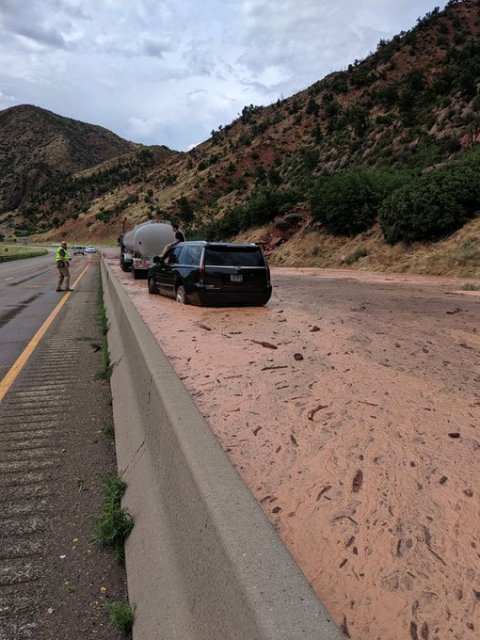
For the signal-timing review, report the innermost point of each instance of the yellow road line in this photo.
(22, 359)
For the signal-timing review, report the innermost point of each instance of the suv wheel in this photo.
(152, 287)
(181, 296)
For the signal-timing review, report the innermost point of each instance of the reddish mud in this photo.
(350, 406)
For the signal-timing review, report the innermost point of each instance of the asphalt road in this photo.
(54, 452)
(27, 295)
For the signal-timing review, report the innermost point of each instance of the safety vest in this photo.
(62, 257)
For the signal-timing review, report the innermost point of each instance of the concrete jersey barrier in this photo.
(203, 562)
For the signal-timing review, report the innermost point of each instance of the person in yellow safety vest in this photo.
(63, 265)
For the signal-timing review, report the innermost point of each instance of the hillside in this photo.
(36, 144)
(341, 158)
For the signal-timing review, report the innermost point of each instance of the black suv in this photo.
(212, 273)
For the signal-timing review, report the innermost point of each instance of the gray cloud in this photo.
(42, 35)
(50, 25)
(155, 47)
(169, 72)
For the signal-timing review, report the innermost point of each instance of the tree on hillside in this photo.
(185, 210)
(346, 203)
(432, 206)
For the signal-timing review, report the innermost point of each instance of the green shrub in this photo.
(262, 207)
(185, 210)
(293, 218)
(432, 206)
(346, 203)
(288, 221)
(361, 252)
(105, 215)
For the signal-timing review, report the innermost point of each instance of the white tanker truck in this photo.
(141, 244)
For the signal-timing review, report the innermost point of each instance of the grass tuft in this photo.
(361, 252)
(108, 429)
(115, 523)
(106, 369)
(121, 615)
(102, 317)
(470, 286)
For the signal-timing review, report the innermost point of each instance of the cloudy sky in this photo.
(170, 71)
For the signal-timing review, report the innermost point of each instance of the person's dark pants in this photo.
(63, 273)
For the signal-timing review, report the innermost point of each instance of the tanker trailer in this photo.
(142, 243)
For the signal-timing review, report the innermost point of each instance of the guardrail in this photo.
(203, 562)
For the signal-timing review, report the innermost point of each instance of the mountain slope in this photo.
(410, 107)
(36, 144)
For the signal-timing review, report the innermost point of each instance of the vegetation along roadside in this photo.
(10, 252)
(113, 524)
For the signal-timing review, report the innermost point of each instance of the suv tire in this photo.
(152, 287)
(181, 296)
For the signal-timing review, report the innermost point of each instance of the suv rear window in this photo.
(234, 257)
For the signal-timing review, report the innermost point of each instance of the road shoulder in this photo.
(55, 582)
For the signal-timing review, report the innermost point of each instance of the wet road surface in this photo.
(27, 296)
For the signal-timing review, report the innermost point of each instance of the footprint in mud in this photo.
(403, 546)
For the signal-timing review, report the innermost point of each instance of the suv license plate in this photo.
(236, 278)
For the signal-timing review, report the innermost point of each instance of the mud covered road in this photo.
(350, 405)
